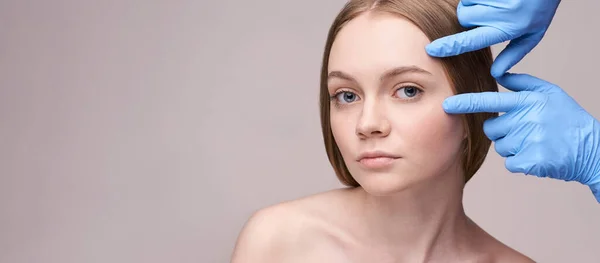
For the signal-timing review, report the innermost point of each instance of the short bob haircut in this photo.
(468, 72)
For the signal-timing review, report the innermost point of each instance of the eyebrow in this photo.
(388, 74)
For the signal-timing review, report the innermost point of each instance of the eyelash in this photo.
(338, 104)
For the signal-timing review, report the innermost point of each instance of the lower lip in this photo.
(378, 162)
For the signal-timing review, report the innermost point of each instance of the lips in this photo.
(377, 159)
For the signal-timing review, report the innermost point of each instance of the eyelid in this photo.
(395, 90)
(342, 90)
(408, 85)
(337, 103)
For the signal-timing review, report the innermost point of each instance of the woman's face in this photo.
(386, 100)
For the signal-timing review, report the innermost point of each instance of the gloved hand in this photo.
(524, 22)
(543, 131)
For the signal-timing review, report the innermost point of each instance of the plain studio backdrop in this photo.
(149, 131)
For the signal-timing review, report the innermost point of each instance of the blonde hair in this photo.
(468, 72)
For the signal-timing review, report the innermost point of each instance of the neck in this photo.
(421, 223)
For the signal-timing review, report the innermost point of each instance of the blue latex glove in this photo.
(524, 22)
(543, 131)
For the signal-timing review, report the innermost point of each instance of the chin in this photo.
(387, 183)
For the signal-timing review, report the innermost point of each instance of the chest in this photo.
(326, 250)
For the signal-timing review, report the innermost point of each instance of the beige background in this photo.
(148, 131)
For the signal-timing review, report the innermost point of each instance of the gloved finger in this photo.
(467, 2)
(491, 3)
(498, 127)
(482, 102)
(525, 82)
(475, 15)
(514, 52)
(467, 41)
(508, 145)
(516, 164)
(529, 162)
(513, 165)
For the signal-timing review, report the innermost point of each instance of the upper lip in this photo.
(376, 154)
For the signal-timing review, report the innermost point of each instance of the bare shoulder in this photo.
(274, 233)
(509, 255)
(485, 248)
(499, 252)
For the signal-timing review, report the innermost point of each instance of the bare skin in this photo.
(326, 227)
(400, 146)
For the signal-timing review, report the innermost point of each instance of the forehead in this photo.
(375, 42)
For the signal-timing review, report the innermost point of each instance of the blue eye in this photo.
(408, 92)
(346, 97)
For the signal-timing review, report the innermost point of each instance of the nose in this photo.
(373, 121)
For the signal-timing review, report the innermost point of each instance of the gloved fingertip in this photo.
(504, 80)
(497, 73)
(449, 105)
(443, 47)
(434, 49)
(499, 69)
(445, 105)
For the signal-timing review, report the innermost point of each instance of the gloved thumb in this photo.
(524, 82)
(514, 52)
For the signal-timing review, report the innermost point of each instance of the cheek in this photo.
(433, 133)
(343, 129)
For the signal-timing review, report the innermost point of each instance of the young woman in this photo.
(403, 159)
